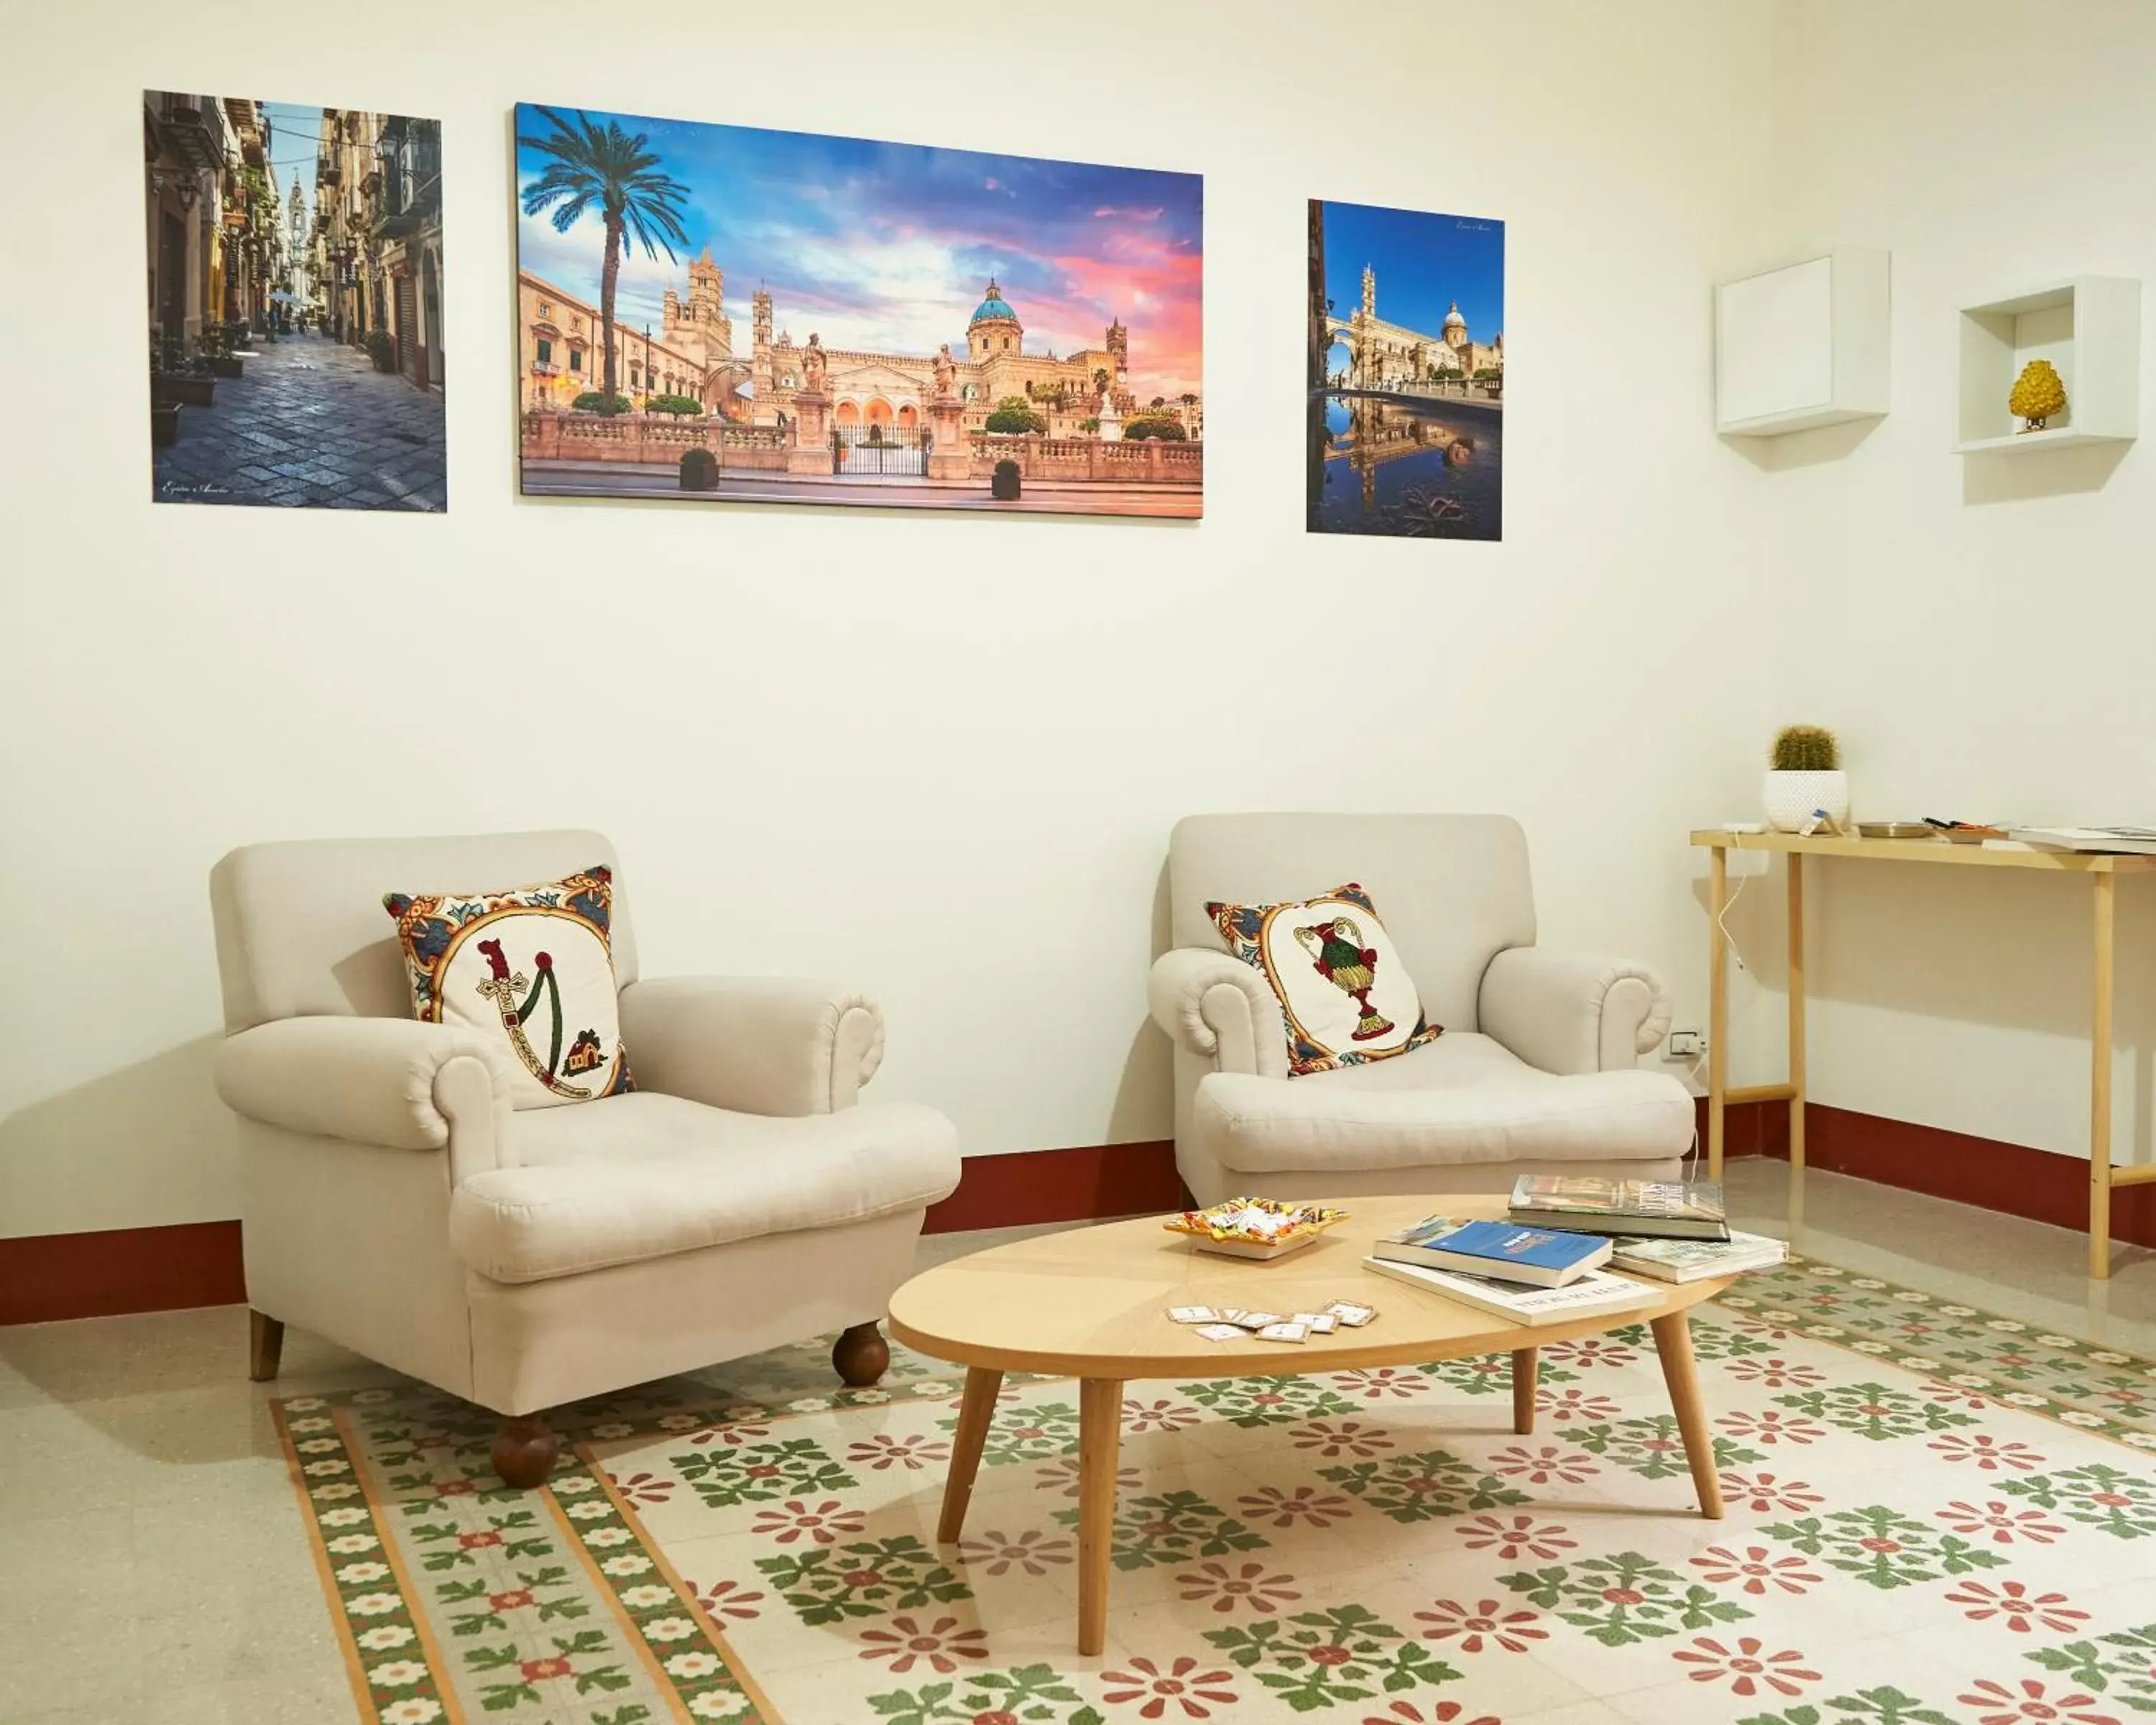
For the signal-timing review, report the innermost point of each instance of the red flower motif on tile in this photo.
(1593, 1351)
(1747, 1668)
(457, 1488)
(515, 1599)
(1158, 1415)
(731, 1435)
(1486, 1623)
(2025, 1702)
(1772, 1426)
(1513, 1537)
(1760, 1492)
(1987, 1452)
(1345, 1437)
(474, 1542)
(913, 1453)
(1539, 1467)
(2001, 1524)
(939, 1645)
(1776, 1373)
(729, 1598)
(1379, 1382)
(1182, 1686)
(2013, 1602)
(1031, 1551)
(1247, 1585)
(537, 1670)
(1060, 1476)
(1284, 1509)
(1441, 1713)
(825, 1524)
(1566, 1405)
(1755, 1569)
(1773, 1329)
(644, 1488)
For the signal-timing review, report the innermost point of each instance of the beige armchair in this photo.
(1534, 1073)
(394, 1201)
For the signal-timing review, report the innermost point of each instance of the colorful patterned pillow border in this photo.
(1243, 927)
(429, 927)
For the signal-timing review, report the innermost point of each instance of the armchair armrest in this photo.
(392, 1082)
(1218, 1007)
(1573, 1011)
(761, 1045)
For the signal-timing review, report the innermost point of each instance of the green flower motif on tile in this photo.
(550, 1592)
(2099, 1495)
(1027, 1433)
(1032, 1693)
(1250, 1402)
(760, 1473)
(1883, 1546)
(514, 1535)
(1423, 1487)
(561, 1665)
(2126, 1659)
(1320, 1659)
(1872, 1410)
(1491, 1374)
(1625, 1597)
(1171, 1528)
(828, 1584)
(1651, 1447)
(1716, 1342)
(1884, 1706)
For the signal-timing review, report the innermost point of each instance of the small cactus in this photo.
(1805, 748)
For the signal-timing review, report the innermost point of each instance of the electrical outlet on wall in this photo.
(1685, 1046)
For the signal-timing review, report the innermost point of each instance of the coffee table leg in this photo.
(1524, 1363)
(976, 1414)
(1673, 1343)
(1099, 1429)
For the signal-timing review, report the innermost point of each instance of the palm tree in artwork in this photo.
(590, 164)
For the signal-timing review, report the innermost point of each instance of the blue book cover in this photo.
(1506, 1243)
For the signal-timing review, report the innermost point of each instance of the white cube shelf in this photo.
(2090, 328)
(1803, 346)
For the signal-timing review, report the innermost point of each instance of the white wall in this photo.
(936, 755)
(1979, 631)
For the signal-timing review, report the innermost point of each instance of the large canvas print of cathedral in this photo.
(930, 328)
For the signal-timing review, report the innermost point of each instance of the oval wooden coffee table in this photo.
(1092, 1304)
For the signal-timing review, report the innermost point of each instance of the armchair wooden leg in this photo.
(265, 1345)
(524, 1450)
(860, 1355)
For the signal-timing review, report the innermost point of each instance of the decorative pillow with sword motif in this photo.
(1345, 997)
(532, 965)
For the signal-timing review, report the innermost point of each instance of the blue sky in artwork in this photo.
(889, 246)
(294, 131)
(1424, 262)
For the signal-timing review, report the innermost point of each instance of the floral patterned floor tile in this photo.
(1935, 1518)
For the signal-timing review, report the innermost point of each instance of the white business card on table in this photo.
(1194, 1315)
(1285, 1330)
(1353, 1313)
(1220, 1332)
(1318, 1323)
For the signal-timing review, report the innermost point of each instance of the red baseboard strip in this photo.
(1075, 1185)
(45, 1276)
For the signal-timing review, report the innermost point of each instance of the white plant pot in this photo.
(1792, 798)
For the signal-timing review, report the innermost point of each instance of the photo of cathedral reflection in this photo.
(923, 328)
(1405, 424)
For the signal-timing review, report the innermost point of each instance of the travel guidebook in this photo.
(1596, 1291)
(1541, 1257)
(1695, 1259)
(1661, 1209)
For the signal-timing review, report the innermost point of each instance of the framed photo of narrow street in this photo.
(726, 313)
(295, 293)
(1405, 433)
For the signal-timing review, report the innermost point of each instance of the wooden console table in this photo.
(2102, 873)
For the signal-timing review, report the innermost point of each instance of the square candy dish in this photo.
(1258, 1227)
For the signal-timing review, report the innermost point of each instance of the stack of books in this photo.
(1631, 1210)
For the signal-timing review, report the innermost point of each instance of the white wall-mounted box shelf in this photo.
(1803, 345)
(2090, 328)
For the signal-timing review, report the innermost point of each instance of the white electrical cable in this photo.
(1721, 933)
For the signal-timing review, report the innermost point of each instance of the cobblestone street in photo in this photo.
(312, 423)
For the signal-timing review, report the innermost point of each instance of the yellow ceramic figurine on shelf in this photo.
(2038, 394)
